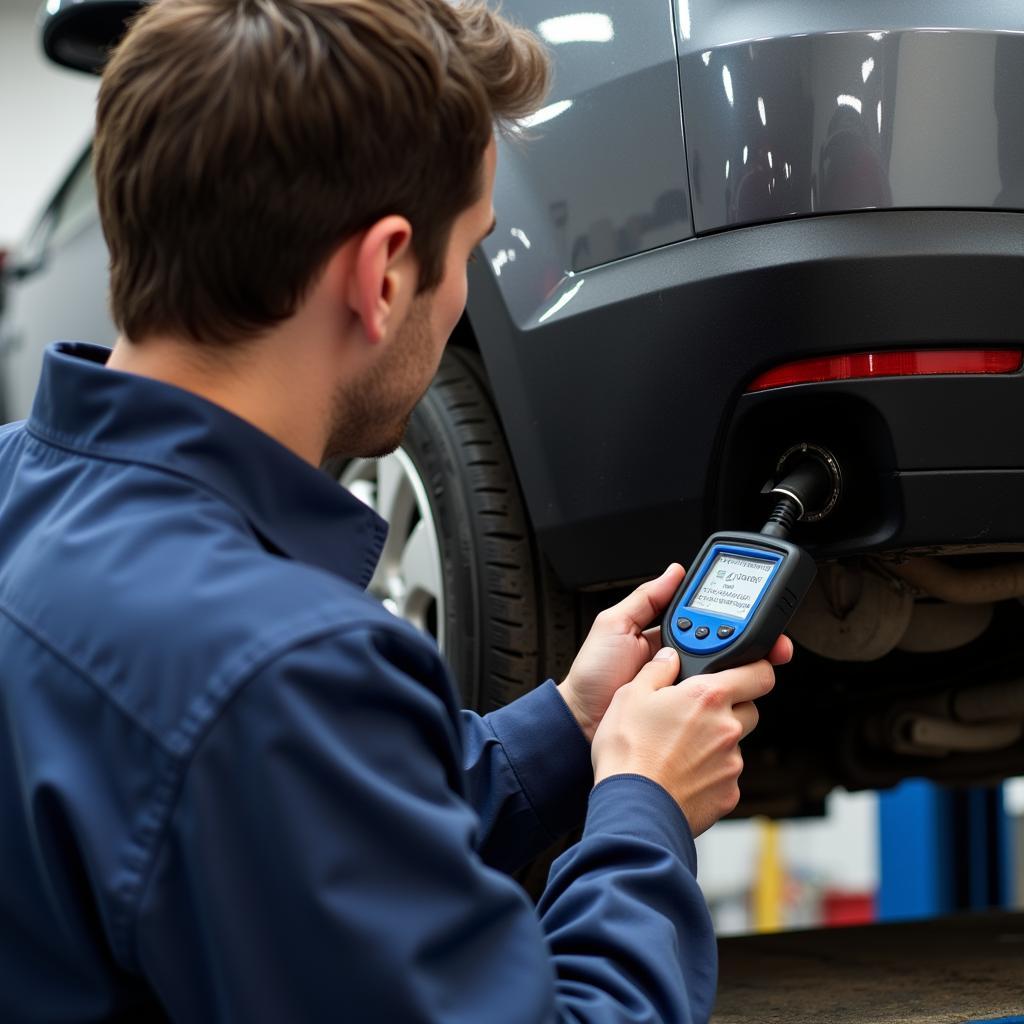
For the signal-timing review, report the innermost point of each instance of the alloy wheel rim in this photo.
(409, 580)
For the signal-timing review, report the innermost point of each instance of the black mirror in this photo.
(80, 34)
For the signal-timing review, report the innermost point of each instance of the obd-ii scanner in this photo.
(743, 588)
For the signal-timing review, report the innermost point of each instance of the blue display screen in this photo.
(733, 584)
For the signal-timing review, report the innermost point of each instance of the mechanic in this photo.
(233, 786)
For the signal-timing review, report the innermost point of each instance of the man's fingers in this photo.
(747, 714)
(748, 682)
(661, 671)
(648, 601)
(782, 652)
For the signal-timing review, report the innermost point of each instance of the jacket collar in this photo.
(83, 406)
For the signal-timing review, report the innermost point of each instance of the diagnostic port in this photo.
(807, 486)
(810, 475)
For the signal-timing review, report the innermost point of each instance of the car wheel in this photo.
(460, 561)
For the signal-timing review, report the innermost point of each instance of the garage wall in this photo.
(46, 117)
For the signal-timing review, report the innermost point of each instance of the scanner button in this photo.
(724, 632)
(683, 625)
(701, 632)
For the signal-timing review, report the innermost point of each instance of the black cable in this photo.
(783, 516)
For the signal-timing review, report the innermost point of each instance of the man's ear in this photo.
(384, 276)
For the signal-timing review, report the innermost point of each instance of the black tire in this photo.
(507, 624)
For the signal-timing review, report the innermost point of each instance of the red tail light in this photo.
(889, 364)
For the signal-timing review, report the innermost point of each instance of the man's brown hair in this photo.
(239, 142)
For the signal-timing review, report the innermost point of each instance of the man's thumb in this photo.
(662, 670)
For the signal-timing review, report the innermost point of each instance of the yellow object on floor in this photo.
(770, 879)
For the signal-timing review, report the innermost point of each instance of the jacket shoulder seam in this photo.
(54, 651)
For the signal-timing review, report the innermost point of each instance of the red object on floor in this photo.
(845, 908)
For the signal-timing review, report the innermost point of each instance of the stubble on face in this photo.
(370, 414)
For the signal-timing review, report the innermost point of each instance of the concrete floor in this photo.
(943, 971)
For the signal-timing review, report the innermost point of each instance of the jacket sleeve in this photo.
(527, 774)
(318, 862)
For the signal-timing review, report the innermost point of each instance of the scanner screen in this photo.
(732, 585)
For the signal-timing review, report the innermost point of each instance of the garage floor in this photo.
(929, 972)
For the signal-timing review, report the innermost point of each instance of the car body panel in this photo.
(615, 92)
(821, 123)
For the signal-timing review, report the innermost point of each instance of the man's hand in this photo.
(617, 647)
(686, 737)
(620, 644)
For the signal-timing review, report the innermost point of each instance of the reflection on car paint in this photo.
(601, 172)
(755, 109)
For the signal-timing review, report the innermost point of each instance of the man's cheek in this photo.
(453, 306)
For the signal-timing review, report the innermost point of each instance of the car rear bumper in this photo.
(626, 413)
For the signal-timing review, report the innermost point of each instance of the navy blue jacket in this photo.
(233, 787)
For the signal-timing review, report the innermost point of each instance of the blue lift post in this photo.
(942, 850)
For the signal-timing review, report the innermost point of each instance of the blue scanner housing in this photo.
(742, 590)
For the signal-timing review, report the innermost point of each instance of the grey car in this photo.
(736, 230)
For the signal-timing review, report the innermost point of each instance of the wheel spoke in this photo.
(408, 579)
(420, 565)
(395, 501)
(394, 493)
(363, 490)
